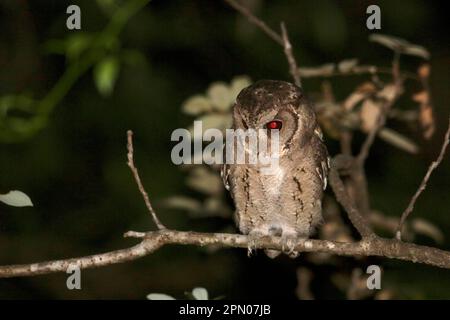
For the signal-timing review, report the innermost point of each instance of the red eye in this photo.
(273, 125)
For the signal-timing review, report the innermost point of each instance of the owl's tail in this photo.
(272, 254)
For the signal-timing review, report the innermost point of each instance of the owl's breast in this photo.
(272, 181)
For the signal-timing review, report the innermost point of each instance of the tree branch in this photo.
(423, 184)
(370, 245)
(153, 241)
(342, 163)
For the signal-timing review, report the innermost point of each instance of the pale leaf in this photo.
(369, 115)
(196, 105)
(214, 121)
(390, 42)
(418, 51)
(200, 293)
(16, 198)
(424, 227)
(159, 296)
(400, 45)
(389, 92)
(347, 65)
(324, 70)
(220, 96)
(398, 140)
(237, 84)
(205, 181)
(185, 203)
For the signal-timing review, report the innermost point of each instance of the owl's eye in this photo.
(274, 124)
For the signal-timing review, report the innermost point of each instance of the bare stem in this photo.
(282, 40)
(290, 56)
(423, 184)
(134, 170)
(256, 21)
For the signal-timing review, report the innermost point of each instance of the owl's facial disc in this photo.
(286, 121)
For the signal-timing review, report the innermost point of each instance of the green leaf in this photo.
(105, 75)
(16, 199)
(77, 44)
(108, 6)
(200, 293)
(15, 102)
(55, 46)
(133, 58)
(159, 296)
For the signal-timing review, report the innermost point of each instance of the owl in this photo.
(286, 202)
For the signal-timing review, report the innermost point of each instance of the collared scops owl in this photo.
(286, 202)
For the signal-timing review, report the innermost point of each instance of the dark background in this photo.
(74, 169)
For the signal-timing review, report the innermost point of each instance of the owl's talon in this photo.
(288, 243)
(253, 239)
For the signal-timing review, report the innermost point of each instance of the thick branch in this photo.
(342, 163)
(152, 241)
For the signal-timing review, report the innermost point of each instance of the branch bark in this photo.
(154, 240)
(343, 163)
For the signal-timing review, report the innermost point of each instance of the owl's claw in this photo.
(253, 239)
(288, 242)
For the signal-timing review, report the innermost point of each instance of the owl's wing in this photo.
(225, 170)
(322, 159)
(225, 173)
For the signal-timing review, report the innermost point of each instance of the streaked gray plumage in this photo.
(287, 203)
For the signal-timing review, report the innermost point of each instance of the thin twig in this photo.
(134, 170)
(397, 81)
(423, 184)
(282, 40)
(290, 56)
(256, 21)
(370, 138)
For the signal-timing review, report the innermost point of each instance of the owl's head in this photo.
(276, 105)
